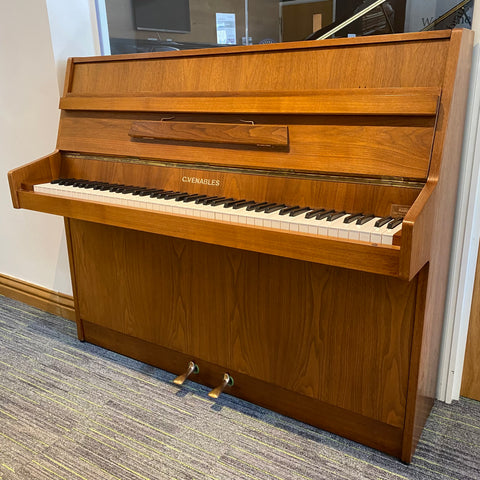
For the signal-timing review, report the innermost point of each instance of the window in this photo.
(136, 26)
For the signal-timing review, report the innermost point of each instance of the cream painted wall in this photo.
(73, 26)
(32, 245)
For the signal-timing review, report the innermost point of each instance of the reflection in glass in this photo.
(161, 25)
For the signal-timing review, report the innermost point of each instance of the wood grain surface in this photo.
(224, 133)
(303, 327)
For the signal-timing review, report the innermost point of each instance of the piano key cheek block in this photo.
(272, 240)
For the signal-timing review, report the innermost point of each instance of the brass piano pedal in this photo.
(227, 380)
(192, 368)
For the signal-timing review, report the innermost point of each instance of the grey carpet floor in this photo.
(71, 410)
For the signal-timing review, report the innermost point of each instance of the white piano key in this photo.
(387, 237)
(377, 233)
(362, 232)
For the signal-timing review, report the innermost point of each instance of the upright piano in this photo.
(272, 221)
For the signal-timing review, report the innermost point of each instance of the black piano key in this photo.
(287, 210)
(335, 216)
(255, 205)
(314, 213)
(324, 214)
(100, 185)
(200, 201)
(137, 190)
(232, 203)
(146, 192)
(171, 195)
(244, 204)
(275, 208)
(365, 219)
(395, 222)
(159, 193)
(120, 189)
(383, 221)
(262, 208)
(156, 192)
(220, 201)
(299, 211)
(182, 196)
(194, 197)
(64, 181)
(208, 200)
(130, 189)
(69, 181)
(79, 183)
(165, 193)
(353, 217)
(91, 184)
(115, 186)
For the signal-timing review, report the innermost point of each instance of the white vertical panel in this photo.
(102, 25)
(465, 243)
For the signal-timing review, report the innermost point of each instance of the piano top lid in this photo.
(276, 47)
(386, 61)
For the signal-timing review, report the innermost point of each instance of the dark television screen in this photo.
(162, 15)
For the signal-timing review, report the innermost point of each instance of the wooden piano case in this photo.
(341, 334)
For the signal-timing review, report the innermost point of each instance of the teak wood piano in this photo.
(278, 215)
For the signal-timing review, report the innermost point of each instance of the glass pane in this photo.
(160, 25)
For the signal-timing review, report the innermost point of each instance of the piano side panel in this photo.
(370, 146)
(446, 158)
(42, 170)
(330, 334)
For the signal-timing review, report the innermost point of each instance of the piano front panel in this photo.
(304, 327)
(366, 145)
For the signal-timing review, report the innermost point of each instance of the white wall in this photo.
(32, 245)
(73, 26)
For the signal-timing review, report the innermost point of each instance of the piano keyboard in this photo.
(317, 221)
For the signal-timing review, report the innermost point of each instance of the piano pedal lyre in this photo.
(191, 368)
(227, 380)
